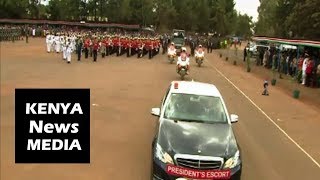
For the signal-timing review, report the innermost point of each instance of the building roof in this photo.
(71, 23)
(294, 42)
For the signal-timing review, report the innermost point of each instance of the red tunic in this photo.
(134, 44)
(86, 43)
(95, 46)
(104, 43)
(115, 41)
(148, 45)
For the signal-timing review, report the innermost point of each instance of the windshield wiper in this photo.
(188, 120)
(177, 119)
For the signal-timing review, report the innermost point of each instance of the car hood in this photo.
(183, 137)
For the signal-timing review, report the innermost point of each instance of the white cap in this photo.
(184, 49)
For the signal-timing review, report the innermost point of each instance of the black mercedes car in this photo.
(194, 137)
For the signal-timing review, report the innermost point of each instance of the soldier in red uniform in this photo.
(158, 42)
(86, 48)
(128, 46)
(148, 47)
(155, 47)
(103, 47)
(134, 46)
(140, 47)
(122, 45)
(115, 43)
(95, 47)
(109, 45)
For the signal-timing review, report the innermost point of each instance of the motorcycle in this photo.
(171, 58)
(183, 70)
(199, 60)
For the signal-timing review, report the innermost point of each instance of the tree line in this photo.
(289, 19)
(192, 15)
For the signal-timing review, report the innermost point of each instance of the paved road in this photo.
(124, 90)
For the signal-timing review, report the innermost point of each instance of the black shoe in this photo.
(68, 62)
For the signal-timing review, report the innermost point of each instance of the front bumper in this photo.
(159, 171)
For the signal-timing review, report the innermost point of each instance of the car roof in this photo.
(193, 87)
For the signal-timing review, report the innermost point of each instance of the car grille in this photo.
(199, 162)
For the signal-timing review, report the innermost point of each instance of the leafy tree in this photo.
(289, 18)
(266, 19)
(192, 15)
(244, 26)
(304, 21)
(14, 9)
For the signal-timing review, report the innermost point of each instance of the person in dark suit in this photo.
(245, 54)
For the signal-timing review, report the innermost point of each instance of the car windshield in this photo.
(178, 40)
(196, 108)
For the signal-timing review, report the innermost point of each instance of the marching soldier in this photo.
(27, 35)
(128, 44)
(86, 48)
(109, 45)
(64, 42)
(48, 42)
(79, 45)
(140, 48)
(149, 48)
(69, 51)
(157, 45)
(103, 47)
(91, 46)
(119, 44)
(115, 43)
(57, 42)
(95, 48)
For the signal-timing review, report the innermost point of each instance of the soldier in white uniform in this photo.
(52, 43)
(48, 42)
(69, 51)
(57, 43)
(64, 48)
(73, 41)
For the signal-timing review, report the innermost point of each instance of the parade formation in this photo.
(105, 44)
(95, 45)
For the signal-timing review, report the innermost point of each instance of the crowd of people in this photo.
(304, 67)
(11, 33)
(92, 42)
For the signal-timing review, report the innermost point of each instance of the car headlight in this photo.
(162, 155)
(233, 161)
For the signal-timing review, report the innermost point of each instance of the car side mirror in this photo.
(155, 111)
(234, 118)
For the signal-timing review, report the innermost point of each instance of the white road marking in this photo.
(272, 121)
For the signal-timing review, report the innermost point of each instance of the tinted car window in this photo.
(195, 108)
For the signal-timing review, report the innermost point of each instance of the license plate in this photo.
(195, 174)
